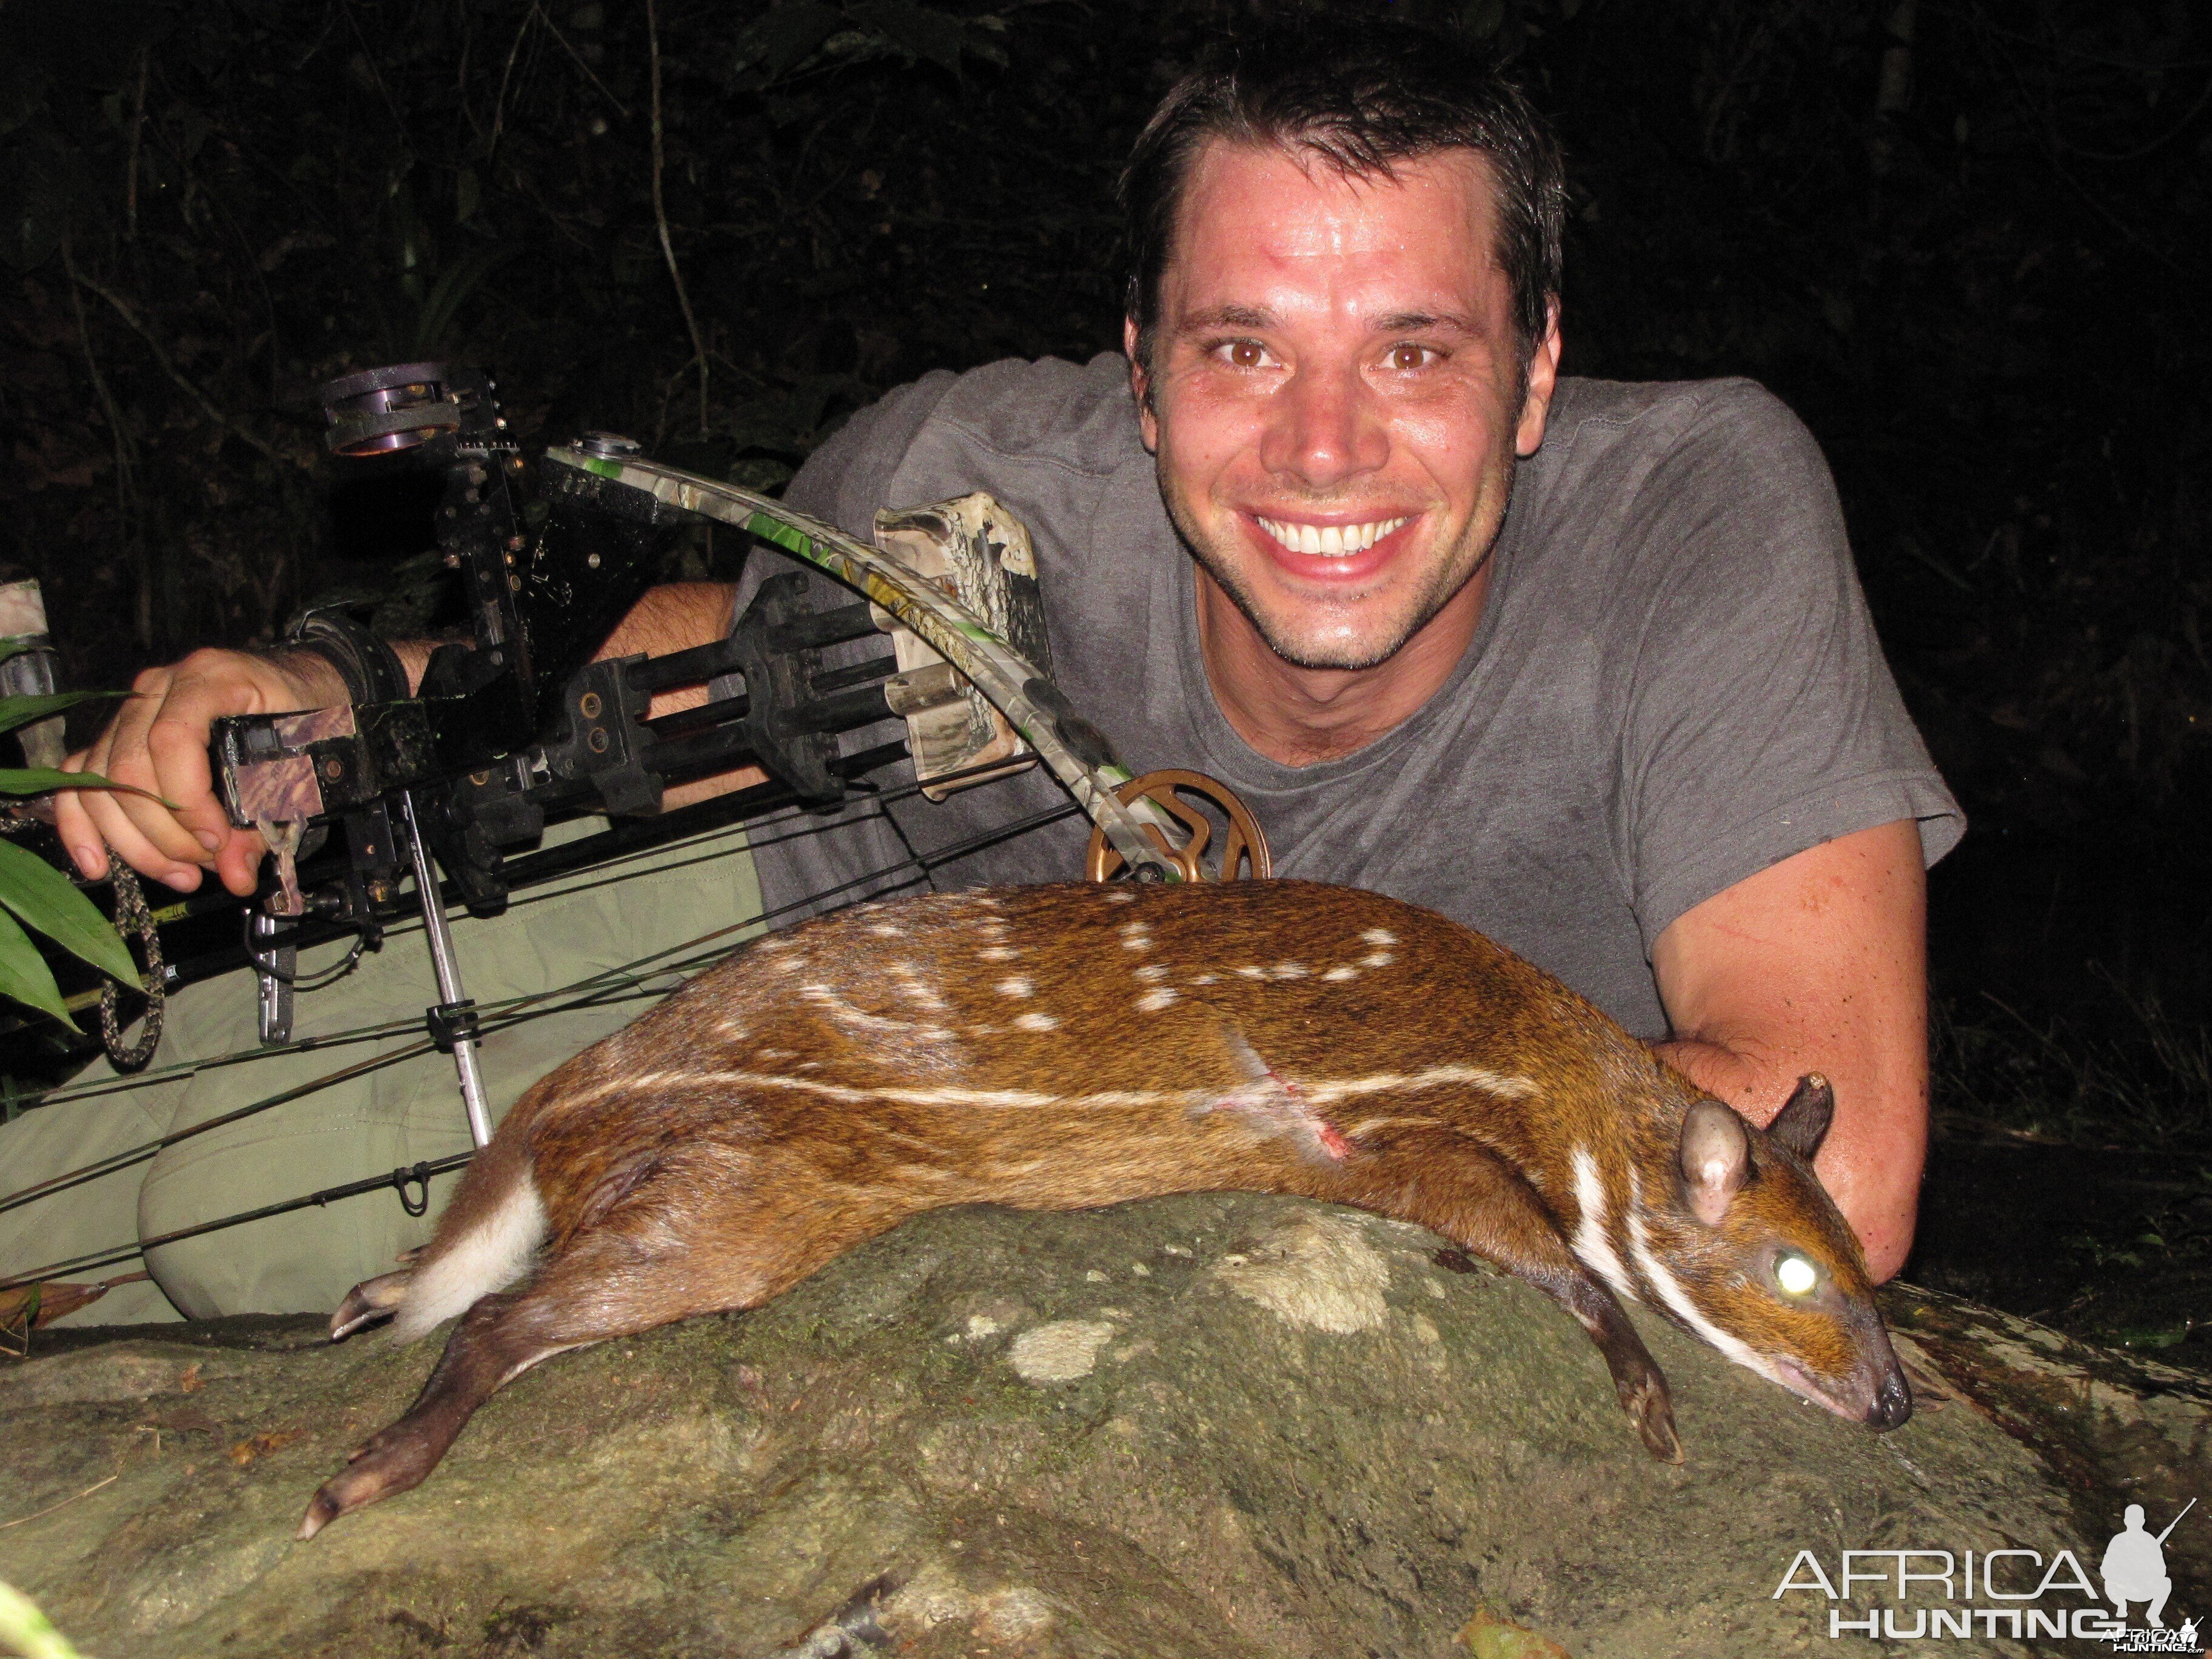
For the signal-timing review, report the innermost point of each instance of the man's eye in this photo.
(1408, 357)
(1244, 354)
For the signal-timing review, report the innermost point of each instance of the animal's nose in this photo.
(1893, 1403)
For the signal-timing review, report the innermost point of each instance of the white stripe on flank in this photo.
(1593, 1246)
(1320, 1092)
(644, 1081)
(1435, 1077)
(954, 1096)
(490, 1256)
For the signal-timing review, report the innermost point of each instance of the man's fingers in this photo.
(92, 823)
(156, 825)
(178, 744)
(239, 862)
(124, 837)
(74, 827)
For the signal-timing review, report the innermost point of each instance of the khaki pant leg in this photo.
(392, 1116)
(96, 1215)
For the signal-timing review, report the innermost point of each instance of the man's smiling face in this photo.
(1336, 396)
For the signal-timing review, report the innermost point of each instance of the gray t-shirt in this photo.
(1673, 684)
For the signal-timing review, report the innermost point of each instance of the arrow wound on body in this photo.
(1276, 1104)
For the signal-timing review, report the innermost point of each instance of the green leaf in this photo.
(37, 780)
(45, 899)
(24, 974)
(26, 1631)
(43, 779)
(22, 711)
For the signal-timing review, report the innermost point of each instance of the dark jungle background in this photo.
(1968, 241)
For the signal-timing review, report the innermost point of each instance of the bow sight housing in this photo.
(519, 719)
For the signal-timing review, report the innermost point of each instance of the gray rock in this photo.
(1210, 1426)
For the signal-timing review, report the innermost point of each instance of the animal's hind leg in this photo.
(604, 1286)
(638, 1267)
(1474, 1199)
(501, 1336)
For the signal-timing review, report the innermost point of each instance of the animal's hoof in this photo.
(322, 1510)
(369, 1301)
(393, 1460)
(1652, 1410)
(1660, 1438)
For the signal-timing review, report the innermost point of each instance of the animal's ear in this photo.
(1716, 1160)
(1802, 1123)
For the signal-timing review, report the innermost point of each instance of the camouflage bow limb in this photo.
(1076, 753)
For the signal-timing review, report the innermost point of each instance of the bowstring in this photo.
(184, 1071)
(628, 985)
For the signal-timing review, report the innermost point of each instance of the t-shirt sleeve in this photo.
(1761, 718)
(844, 480)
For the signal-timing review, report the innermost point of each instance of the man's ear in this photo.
(1140, 388)
(1542, 378)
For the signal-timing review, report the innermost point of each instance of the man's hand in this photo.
(1819, 964)
(158, 742)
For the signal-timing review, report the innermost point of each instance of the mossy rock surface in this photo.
(1210, 1426)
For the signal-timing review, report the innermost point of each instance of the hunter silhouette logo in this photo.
(2134, 1567)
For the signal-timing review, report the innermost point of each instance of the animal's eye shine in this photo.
(1796, 1274)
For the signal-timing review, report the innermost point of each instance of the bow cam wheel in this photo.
(1243, 849)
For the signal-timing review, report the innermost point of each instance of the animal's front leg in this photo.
(1456, 1188)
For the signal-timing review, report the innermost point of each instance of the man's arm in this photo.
(674, 617)
(158, 741)
(1819, 964)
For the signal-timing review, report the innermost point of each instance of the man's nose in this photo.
(1324, 427)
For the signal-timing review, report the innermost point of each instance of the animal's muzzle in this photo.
(1893, 1403)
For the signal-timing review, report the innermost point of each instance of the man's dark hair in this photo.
(1357, 95)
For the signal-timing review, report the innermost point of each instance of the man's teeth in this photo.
(1331, 541)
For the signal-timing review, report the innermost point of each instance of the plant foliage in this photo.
(35, 895)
